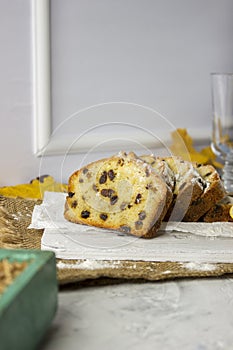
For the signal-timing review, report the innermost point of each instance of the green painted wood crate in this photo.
(28, 305)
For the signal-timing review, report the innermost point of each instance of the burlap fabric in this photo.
(15, 216)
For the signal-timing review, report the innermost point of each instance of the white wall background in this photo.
(93, 62)
(157, 53)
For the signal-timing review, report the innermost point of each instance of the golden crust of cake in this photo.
(121, 193)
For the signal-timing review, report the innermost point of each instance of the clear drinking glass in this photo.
(222, 130)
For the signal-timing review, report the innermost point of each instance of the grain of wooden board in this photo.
(29, 303)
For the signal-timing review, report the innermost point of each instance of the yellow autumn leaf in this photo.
(182, 146)
(231, 211)
(182, 142)
(35, 189)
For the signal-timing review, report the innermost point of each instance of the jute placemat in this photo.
(15, 216)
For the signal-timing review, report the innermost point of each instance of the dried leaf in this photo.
(35, 189)
(182, 146)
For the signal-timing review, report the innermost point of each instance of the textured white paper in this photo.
(197, 242)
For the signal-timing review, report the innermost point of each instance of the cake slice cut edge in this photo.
(121, 193)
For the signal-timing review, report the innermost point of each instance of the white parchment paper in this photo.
(197, 242)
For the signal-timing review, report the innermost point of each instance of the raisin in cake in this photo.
(122, 193)
(214, 191)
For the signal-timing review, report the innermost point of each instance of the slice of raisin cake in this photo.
(162, 168)
(214, 191)
(189, 185)
(121, 193)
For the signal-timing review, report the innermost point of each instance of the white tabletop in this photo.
(190, 314)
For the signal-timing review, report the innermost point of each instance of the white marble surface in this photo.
(183, 314)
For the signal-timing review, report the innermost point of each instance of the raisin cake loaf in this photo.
(214, 191)
(121, 193)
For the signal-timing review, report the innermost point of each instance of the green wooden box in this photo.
(28, 305)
